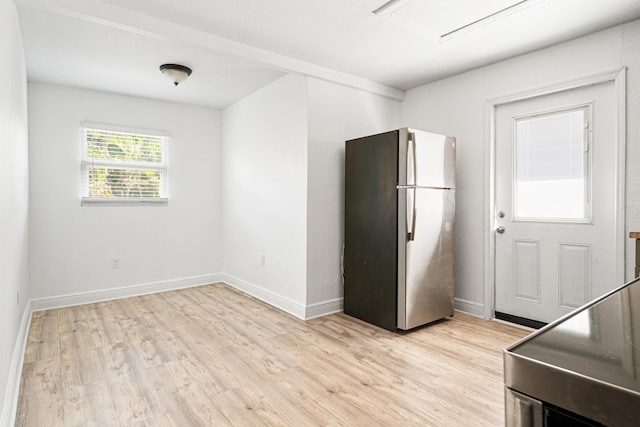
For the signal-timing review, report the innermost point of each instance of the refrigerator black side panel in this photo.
(371, 224)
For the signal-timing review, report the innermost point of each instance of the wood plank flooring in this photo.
(213, 356)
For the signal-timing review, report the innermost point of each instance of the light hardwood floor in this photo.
(213, 356)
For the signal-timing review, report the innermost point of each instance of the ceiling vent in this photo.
(441, 20)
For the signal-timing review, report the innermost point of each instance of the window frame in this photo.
(588, 139)
(86, 163)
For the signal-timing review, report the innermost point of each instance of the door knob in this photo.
(500, 230)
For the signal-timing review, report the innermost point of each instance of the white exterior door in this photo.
(555, 205)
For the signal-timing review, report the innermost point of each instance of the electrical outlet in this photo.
(263, 259)
(115, 263)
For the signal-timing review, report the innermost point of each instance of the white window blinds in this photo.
(552, 157)
(123, 166)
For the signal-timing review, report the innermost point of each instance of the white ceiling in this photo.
(237, 46)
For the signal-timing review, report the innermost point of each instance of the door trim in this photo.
(618, 77)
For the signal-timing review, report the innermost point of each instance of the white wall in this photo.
(630, 57)
(456, 106)
(336, 113)
(265, 192)
(14, 188)
(71, 246)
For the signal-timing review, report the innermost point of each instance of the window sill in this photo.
(123, 201)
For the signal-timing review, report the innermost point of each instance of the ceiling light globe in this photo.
(176, 73)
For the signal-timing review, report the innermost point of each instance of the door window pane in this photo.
(551, 166)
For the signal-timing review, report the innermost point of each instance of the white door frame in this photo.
(618, 76)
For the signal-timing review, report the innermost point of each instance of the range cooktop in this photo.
(588, 362)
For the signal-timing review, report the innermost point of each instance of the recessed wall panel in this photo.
(574, 274)
(526, 270)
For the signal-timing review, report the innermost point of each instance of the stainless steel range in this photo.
(583, 369)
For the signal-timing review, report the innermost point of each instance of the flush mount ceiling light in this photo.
(176, 73)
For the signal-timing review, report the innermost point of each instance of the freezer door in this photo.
(431, 160)
(426, 256)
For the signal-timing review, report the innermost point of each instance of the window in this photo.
(123, 166)
(551, 159)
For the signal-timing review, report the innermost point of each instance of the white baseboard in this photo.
(310, 311)
(320, 309)
(469, 307)
(283, 303)
(10, 405)
(69, 300)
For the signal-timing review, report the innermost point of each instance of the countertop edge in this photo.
(597, 400)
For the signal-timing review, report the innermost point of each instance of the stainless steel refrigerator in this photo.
(399, 228)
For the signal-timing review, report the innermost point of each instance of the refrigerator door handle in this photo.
(412, 146)
(412, 234)
(411, 159)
